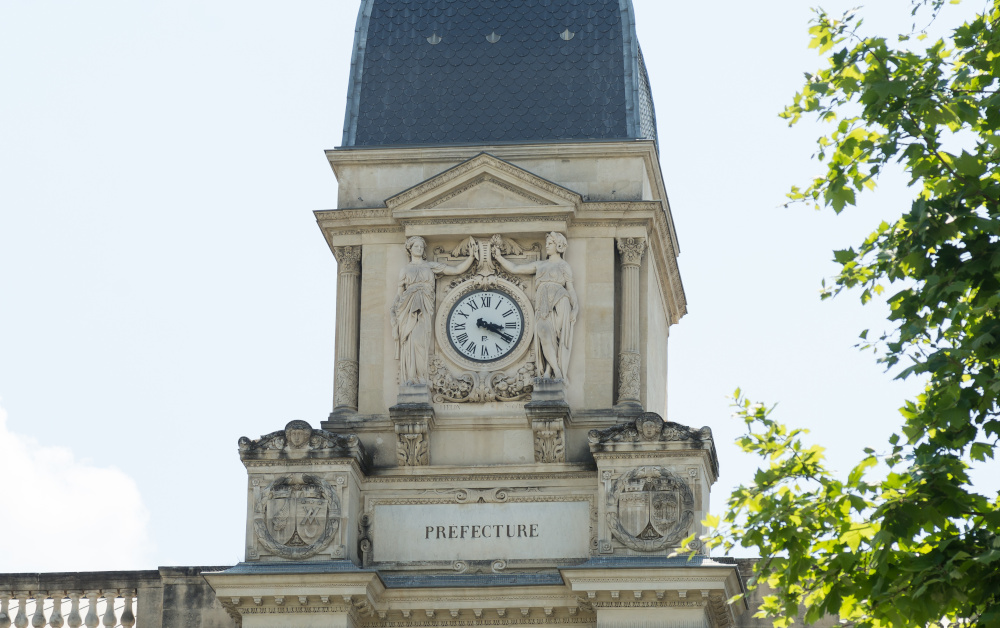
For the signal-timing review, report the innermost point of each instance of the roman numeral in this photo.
(508, 312)
(471, 348)
(512, 325)
(462, 338)
(486, 301)
(473, 306)
(485, 352)
(459, 326)
(499, 349)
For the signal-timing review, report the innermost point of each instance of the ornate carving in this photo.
(412, 444)
(346, 394)
(629, 378)
(650, 509)
(550, 445)
(631, 250)
(300, 440)
(365, 541)
(348, 259)
(650, 427)
(722, 612)
(471, 387)
(297, 516)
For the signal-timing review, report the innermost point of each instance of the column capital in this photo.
(348, 258)
(631, 250)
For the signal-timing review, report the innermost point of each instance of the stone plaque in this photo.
(507, 531)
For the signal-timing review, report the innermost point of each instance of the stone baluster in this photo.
(56, 618)
(21, 619)
(38, 618)
(630, 358)
(73, 620)
(128, 617)
(345, 397)
(92, 620)
(4, 610)
(109, 620)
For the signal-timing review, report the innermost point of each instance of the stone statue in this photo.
(412, 310)
(556, 305)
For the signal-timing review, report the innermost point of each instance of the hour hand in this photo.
(485, 325)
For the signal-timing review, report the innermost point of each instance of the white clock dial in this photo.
(485, 325)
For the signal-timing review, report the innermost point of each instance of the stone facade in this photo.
(496, 454)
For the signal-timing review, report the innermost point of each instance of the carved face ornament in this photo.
(297, 434)
(650, 429)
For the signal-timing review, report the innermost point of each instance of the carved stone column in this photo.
(547, 413)
(345, 395)
(629, 358)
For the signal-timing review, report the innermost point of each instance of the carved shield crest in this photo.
(650, 509)
(297, 516)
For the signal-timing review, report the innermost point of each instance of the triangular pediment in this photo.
(483, 182)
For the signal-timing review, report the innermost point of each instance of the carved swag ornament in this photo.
(649, 427)
(299, 440)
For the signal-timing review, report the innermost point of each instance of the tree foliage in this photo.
(908, 542)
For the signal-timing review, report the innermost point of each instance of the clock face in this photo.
(485, 325)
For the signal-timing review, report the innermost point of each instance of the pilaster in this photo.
(345, 399)
(629, 357)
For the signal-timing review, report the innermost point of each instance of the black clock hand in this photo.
(497, 329)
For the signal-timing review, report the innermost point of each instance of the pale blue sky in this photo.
(164, 289)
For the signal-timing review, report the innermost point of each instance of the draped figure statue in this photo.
(556, 305)
(412, 311)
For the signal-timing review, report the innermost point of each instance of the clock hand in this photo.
(497, 329)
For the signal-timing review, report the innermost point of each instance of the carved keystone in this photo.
(413, 419)
(547, 414)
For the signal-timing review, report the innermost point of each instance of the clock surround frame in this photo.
(492, 283)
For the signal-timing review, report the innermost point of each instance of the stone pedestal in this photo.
(413, 419)
(547, 414)
(304, 490)
(654, 478)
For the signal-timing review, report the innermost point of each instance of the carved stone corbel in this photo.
(547, 414)
(413, 423)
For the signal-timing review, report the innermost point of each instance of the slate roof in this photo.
(485, 71)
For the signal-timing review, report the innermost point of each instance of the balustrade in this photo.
(41, 608)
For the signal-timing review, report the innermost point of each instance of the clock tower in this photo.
(498, 452)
